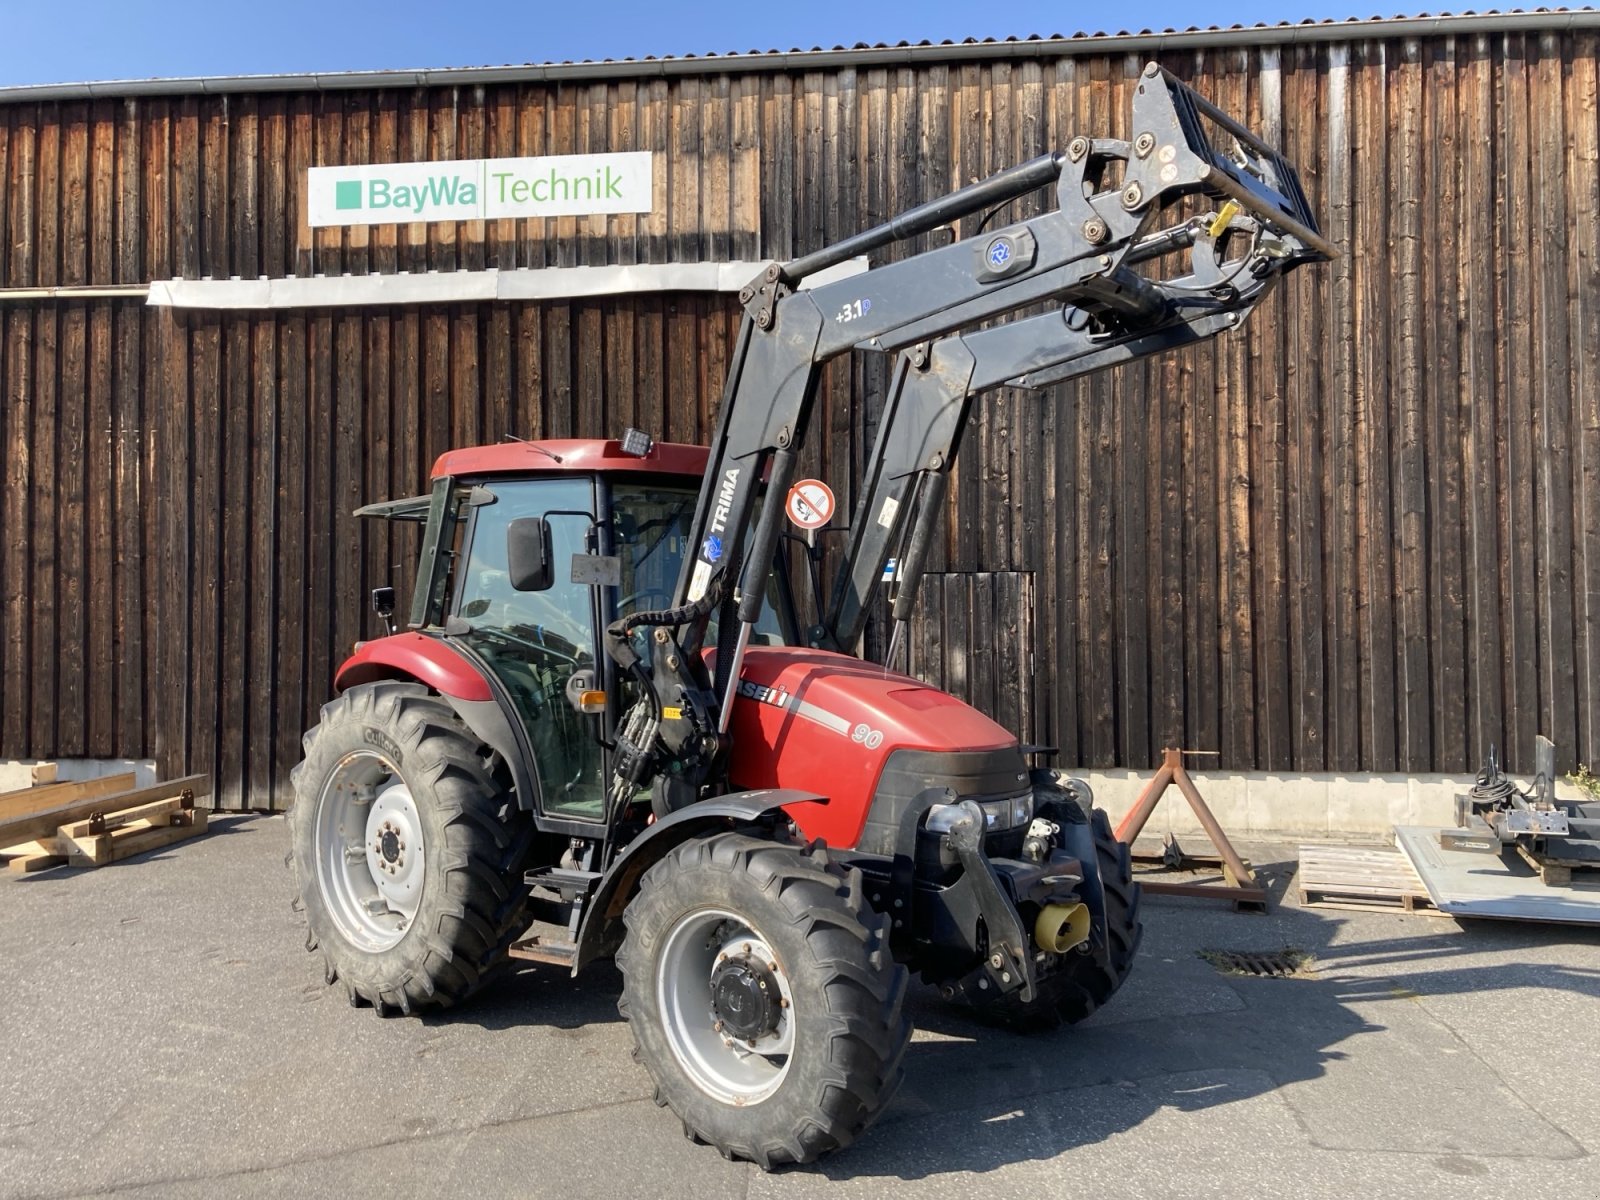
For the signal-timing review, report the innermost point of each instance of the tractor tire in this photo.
(407, 850)
(1082, 983)
(763, 998)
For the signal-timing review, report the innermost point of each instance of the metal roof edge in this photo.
(770, 62)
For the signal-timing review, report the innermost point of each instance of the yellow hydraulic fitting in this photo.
(1060, 927)
(1229, 211)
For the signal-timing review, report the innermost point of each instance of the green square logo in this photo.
(347, 194)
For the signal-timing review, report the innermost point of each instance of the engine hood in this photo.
(827, 722)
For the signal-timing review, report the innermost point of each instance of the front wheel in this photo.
(406, 850)
(763, 998)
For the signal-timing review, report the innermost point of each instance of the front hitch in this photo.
(1009, 965)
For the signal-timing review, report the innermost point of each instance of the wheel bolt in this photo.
(716, 1027)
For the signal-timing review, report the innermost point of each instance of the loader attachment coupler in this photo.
(1254, 176)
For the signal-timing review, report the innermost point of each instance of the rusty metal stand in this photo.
(1240, 887)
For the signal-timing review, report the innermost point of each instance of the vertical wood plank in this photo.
(1517, 297)
(1553, 413)
(1374, 269)
(74, 433)
(1583, 182)
(264, 661)
(1485, 683)
(46, 435)
(1446, 599)
(1346, 680)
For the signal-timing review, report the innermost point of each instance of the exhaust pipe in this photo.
(1060, 927)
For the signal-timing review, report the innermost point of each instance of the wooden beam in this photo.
(124, 816)
(33, 825)
(123, 843)
(14, 805)
(28, 864)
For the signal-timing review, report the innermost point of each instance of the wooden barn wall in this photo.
(1363, 535)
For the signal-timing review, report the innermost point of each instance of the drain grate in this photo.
(1272, 964)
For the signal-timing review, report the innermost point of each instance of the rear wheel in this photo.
(1081, 982)
(762, 997)
(406, 850)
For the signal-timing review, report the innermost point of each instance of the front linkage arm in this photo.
(1081, 254)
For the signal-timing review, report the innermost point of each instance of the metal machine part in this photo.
(1547, 830)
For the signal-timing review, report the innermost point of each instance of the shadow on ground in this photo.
(1180, 1037)
(977, 1099)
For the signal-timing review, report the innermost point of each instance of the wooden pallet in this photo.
(97, 822)
(1365, 878)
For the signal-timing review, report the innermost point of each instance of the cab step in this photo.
(538, 949)
(568, 884)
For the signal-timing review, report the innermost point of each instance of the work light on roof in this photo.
(637, 442)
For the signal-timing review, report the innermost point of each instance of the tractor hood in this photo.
(827, 722)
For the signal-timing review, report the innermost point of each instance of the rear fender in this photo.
(415, 656)
(601, 931)
(467, 688)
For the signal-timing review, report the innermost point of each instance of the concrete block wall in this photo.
(19, 773)
(1265, 806)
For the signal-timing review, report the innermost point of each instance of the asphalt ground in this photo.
(165, 1034)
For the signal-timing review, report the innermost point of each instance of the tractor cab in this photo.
(529, 550)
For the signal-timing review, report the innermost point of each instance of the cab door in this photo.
(535, 641)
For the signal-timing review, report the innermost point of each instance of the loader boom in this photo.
(1080, 259)
(933, 386)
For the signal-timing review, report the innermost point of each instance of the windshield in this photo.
(652, 523)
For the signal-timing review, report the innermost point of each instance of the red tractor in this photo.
(607, 732)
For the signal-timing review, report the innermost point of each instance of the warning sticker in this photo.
(810, 504)
(699, 580)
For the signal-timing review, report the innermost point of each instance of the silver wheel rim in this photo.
(369, 851)
(732, 1070)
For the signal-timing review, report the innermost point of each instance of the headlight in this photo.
(997, 814)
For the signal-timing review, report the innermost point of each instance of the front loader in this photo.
(605, 732)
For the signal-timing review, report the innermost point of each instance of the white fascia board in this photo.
(453, 287)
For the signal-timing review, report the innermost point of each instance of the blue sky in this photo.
(122, 39)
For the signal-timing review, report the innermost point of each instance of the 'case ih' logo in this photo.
(776, 697)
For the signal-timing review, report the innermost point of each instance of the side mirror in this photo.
(528, 554)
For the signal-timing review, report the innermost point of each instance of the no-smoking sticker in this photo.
(810, 504)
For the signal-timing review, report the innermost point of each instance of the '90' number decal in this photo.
(869, 737)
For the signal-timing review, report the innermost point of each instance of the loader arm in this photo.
(932, 389)
(1079, 256)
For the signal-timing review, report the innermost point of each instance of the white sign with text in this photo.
(558, 185)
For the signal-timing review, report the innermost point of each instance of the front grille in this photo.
(972, 774)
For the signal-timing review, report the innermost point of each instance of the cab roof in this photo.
(570, 454)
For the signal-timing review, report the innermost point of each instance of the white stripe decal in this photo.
(823, 717)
